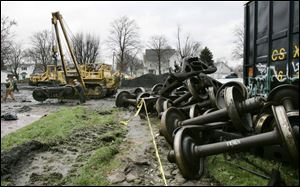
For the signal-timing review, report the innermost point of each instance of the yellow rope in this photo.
(154, 143)
(139, 107)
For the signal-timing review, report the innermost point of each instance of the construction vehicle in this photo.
(97, 83)
(53, 76)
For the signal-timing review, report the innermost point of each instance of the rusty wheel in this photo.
(139, 90)
(121, 99)
(169, 122)
(190, 166)
(289, 140)
(167, 104)
(220, 103)
(155, 89)
(242, 121)
(287, 95)
(159, 104)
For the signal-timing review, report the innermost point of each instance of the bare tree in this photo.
(134, 63)
(238, 51)
(6, 38)
(86, 48)
(15, 59)
(159, 44)
(41, 52)
(124, 38)
(188, 47)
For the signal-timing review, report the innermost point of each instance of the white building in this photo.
(4, 74)
(222, 70)
(24, 71)
(168, 59)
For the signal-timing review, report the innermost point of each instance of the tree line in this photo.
(123, 41)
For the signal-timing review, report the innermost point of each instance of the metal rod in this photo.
(250, 171)
(269, 138)
(59, 17)
(54, 22)
(219, 115)
(182, 98)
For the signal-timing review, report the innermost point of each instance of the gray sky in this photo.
(210, 22)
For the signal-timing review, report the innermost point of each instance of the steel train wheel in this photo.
(168, 123)
(242, 121)
(121, 97)
(190, 166)
(220, 103)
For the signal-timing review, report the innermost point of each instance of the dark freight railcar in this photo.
(271, 48)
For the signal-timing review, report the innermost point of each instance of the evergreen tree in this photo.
(207, 57)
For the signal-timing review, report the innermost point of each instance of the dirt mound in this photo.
(10, 158)
(147, 80)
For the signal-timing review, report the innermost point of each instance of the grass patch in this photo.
(225, 173)
(55, 127)
(75, 127)
(5, 183)
(95, 170)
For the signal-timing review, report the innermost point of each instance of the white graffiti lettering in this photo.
(295, 66)
(262, 68)
(233, 143)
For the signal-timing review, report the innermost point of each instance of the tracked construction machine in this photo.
(53, 76)
(97, 83)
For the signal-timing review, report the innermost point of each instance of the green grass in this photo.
(226, 173)
(58, 127)
(95, 170)
(55, 127)
(5, 183)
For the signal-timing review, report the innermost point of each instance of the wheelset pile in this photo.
(201, 117)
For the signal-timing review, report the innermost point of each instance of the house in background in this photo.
(24, 71)
(222, 70)
(169, 57)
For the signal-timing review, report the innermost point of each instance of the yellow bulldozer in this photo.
(97, 80)
(53, 76)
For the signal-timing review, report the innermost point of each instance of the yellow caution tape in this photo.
(154, 143)
(139, 107)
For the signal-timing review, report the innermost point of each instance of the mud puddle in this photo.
(23, 120)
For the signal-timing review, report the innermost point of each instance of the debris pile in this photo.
(202, 117)
(147, 80)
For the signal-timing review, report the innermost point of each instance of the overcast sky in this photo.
(210, 22)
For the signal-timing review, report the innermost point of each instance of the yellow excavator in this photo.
(97, 83)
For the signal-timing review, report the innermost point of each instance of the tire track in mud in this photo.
(39, 164)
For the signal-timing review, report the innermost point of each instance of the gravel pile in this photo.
(147, 80)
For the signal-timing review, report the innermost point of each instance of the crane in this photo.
(96, 83)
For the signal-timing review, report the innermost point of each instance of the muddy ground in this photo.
(36, 164)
